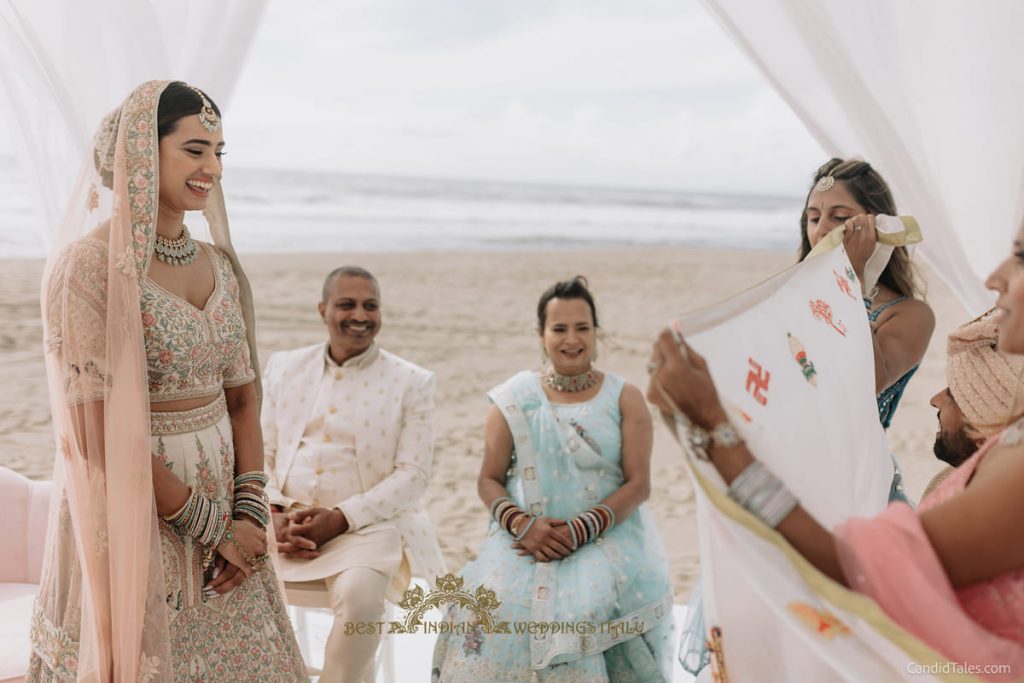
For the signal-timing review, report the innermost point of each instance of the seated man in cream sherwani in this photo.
(349, 441)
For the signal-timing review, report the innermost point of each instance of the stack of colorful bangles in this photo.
(202, 519)
(585, 527)
(251, 498)
(590, 525)
(507, 514)
(205, 521)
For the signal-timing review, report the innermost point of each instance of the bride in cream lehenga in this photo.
(155, 567)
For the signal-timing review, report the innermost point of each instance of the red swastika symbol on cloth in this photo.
(757, 381)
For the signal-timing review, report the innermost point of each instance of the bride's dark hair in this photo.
(178, 101)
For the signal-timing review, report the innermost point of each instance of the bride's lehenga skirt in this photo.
(244, 635)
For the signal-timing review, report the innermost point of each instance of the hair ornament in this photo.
(825, 183)
(207, 115)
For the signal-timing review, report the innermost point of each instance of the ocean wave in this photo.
(303, 212)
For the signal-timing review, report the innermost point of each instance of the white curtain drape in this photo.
(931, 93)
(64, 64)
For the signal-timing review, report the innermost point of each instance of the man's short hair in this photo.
(348, 271)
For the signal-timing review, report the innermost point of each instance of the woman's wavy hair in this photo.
(871, 191)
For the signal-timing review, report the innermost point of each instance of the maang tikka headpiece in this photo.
(825, 183)
(207, 115)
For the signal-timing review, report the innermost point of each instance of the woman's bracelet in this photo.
(526, 528)
(251, 499)
(496, 503)
(762, 494)
(590, 525)
(601, 507)
(254, 563)
(507, 514)
(202, 519)
(257, 477)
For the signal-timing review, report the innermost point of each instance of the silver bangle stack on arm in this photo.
(205, 521)
(762, 494)
(202, 519)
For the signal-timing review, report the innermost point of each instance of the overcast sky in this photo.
(644, 93)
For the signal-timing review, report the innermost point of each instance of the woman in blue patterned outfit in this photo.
(566, 470)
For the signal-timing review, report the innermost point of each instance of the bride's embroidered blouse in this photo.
(190, 352)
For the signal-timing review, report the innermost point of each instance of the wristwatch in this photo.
(722, 435)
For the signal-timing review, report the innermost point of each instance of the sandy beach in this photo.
(470, 318)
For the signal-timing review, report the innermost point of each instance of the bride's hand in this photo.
(680, 375)
(247, 547)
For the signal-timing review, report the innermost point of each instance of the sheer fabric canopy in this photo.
(931, 94)
(63, 65)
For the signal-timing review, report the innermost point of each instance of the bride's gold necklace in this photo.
(180, 251)
(571, 384)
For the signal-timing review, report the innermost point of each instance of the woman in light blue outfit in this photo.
(566, 468)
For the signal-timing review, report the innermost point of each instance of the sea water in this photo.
(288, 211)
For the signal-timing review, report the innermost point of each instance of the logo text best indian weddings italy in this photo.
(450, 591)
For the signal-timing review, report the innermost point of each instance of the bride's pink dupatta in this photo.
(101, 613)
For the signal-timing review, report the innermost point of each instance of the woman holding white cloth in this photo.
(950, 573)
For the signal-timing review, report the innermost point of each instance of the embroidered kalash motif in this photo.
(821, 310)
(846, 282)
(757, 381)
(800, 356)
(823, 623)
(719, 674)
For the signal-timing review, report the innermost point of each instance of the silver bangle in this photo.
(762, 494)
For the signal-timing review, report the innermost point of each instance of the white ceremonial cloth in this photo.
(792, 360)
(382, 406)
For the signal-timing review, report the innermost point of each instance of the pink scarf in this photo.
(890, 559)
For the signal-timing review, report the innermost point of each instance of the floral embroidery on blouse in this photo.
(192, 352)
(189, 352)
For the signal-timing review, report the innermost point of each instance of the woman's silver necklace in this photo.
(180, 251)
